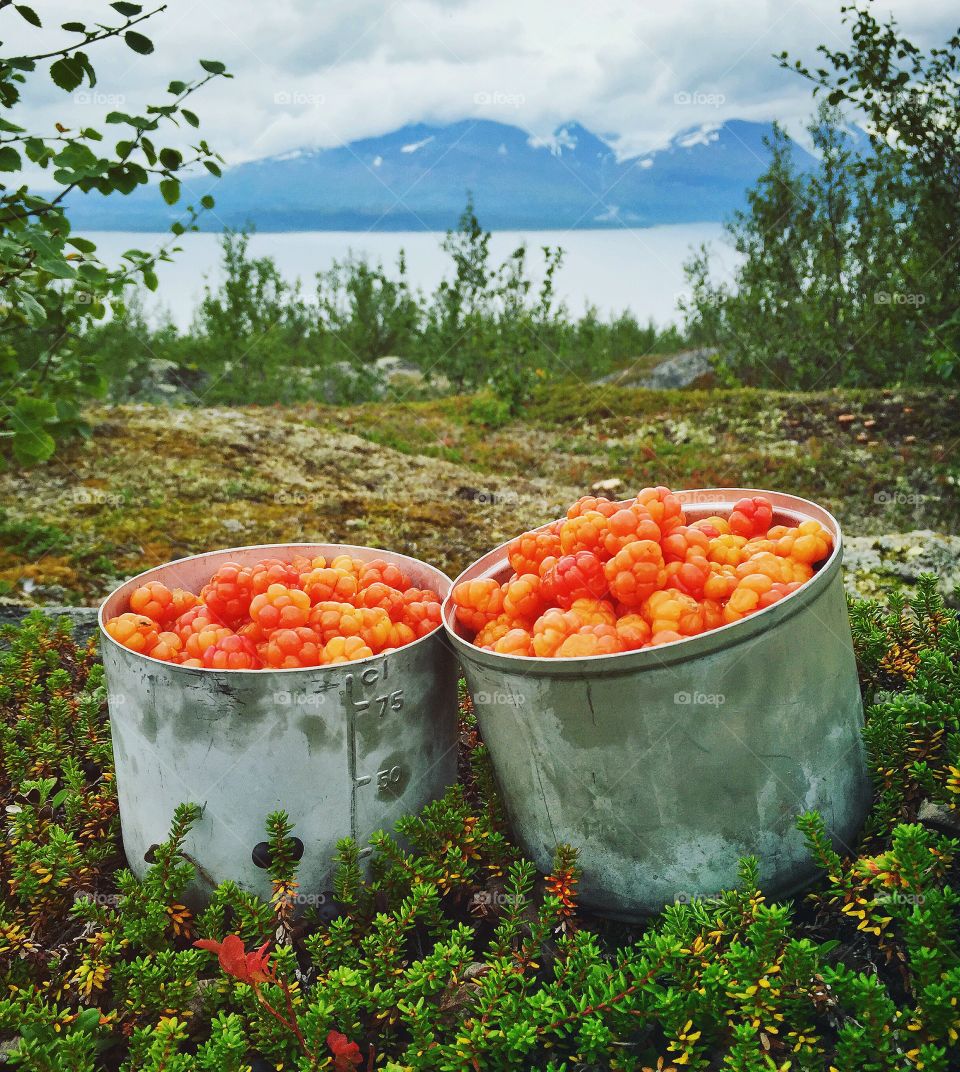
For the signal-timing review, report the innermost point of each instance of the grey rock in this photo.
(396, 372)
(940, 818)
(689, 368)
(388, 367)
(873, 565)
(159, 380)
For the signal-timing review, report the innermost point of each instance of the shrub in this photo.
(854, 260)
(454, 954)
(257, 338)
(54, 287)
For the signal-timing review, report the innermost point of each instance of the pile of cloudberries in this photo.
(614, 577)
(279, 615)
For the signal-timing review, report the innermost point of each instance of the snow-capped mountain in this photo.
(417, 178)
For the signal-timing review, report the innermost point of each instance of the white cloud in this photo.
(313, 75)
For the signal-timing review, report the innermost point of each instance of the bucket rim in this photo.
(725, 636)
(396, 557)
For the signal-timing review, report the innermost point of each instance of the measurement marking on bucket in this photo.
(387, 701)
(364, 695)
(388, 777)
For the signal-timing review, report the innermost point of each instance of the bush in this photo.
(849, 269)
(455, 955)
(258, 339)
(54, 287)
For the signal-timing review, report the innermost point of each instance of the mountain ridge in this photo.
(417, 178)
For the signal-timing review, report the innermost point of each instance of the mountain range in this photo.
(417, 178)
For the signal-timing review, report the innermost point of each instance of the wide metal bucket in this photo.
(345, 750)
(665, 766)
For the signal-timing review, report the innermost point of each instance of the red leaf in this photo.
(345, 1053)
(249, 968)
(259, 969)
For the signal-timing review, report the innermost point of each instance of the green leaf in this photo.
(207, 201)
(170, 189)
(29, 14)
(68, 73)
(9, 159)
(84, 245)
(31, 445)
(32, 410)
(139, 43)
(37, 150)
(127, 10)
(213, 168)
(213, 66)
(73, 27)
(89, 1019)
(31, 441)
(190, 117)
(33, 310)
(171, 159)
(176, 88)
(150, 280)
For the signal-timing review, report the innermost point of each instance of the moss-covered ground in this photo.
(446, 479)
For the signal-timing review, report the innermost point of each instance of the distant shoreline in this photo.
(612, 268)
(513, 229)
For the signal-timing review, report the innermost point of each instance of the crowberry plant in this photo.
(446, 950)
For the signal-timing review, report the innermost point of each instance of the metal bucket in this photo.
(665, 766)
(344, 750)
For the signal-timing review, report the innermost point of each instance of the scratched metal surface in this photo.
(345, 750)
(667, 765)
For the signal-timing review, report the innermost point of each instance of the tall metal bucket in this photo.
(344, 749)
(665, 766)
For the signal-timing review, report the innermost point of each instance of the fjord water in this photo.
(640, 269)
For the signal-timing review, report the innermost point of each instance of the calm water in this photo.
(640, 270)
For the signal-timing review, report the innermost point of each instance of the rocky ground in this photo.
(446, 479)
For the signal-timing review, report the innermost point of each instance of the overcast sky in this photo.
(317, 74)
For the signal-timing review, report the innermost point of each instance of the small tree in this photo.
(52, 284)
(849, 271)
